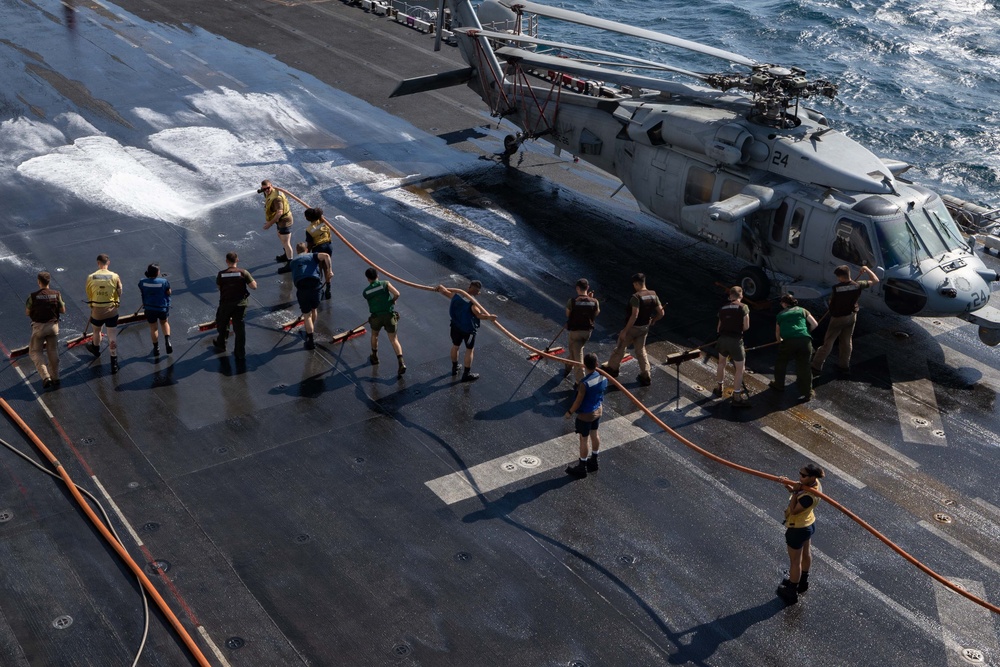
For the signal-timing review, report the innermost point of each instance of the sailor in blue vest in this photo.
(588, 407)
(155, 292)
(465, 318)
(308, 271)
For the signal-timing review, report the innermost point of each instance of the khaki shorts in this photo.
(732, 347)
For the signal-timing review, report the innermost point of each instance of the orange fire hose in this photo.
(677, 436)
(108, 537)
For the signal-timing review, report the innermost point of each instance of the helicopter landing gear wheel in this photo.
(989, 336)
(755, 283)
(510, 145)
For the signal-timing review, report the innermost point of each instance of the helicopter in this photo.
(734, 158)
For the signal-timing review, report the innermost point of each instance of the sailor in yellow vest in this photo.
(278, 212)
(800, 524)
(104, 292)
(318, 238)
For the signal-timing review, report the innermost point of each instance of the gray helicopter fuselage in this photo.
(793, 200)
(784, 192)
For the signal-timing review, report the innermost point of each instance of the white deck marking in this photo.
(193, 56)
(159, 60)
(127, 41)
(961, 546)
(545, 456)
(827, 466)
(185, 76)
(233, 79)
(114, 506)
(867, 438)
(965, 619)
(211, 644)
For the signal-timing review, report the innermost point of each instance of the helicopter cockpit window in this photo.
(795, 229)
(699, 186)
(778, 226)
(852, 243)
(898, 241)
(942, 220)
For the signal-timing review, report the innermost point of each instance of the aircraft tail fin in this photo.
(423, 84)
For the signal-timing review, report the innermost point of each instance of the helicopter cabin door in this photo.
(791, 246)
(852, 245)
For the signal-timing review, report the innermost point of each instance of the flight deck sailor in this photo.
(581, 312)
(382, 297)
(278, 212)
(309, 269)
(318, 237)
(734, 320)
(44, 308)
(232, 282)
(843, 316)
(645, 310)
(155, 292)
(104, 293)
(465, 318)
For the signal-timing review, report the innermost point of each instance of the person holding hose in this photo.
(800, 524)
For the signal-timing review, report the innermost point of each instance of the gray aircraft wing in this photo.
(614, 26)
(632, 60)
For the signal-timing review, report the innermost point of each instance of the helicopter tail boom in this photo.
(423, 84)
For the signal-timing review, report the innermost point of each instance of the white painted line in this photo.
(827, 466)
(554, 453)
(233, 78)
(528, 462)
(162, 39)
(114, 506)
(916, 404)
(127, 41)
(987, 506)
(867, 438)
(965, 619)
(211, 644)
(938, 325)
(933, 630)
(193, 56)
(38, 398)
(961, 546)
(185, 76)
(159, 60)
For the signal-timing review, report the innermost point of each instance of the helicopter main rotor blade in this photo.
(614, 26)
(569, 66)
(527, 39)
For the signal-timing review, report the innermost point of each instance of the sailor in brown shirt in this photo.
(843, 316)
(581, 311)
(44, 307)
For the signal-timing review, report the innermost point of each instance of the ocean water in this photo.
(919, 79)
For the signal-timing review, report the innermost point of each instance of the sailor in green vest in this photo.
(792, 330)
(381, 297)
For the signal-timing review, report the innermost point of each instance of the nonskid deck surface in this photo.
(310, 508)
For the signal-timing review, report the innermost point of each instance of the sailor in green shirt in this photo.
(794, 342)
(381, 296)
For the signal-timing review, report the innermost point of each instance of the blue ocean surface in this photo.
(919, 79)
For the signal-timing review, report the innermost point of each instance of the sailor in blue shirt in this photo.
(156, 305)
(588, 406)
(465, 318)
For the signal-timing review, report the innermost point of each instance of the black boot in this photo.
(374, 358)
(326, 292)
(454, 368)
(592, 465)
(804, 583)
(579, 470)
(645, 380)
(469, 376)
(166, 342)
(156, 349)
(787, 592)
(402, 366)
(310, 344)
